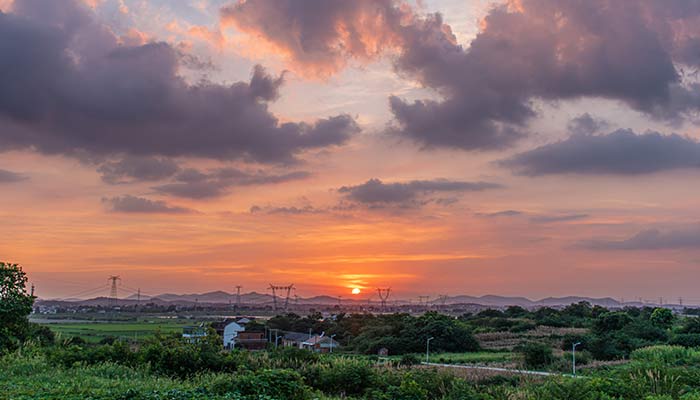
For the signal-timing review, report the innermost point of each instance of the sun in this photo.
(356, 291)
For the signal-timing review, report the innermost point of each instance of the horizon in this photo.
(438, 147)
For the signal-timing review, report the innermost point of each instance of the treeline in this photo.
(611, 334)
(398, 333)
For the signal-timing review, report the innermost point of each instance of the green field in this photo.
(96, 331)
(479, 357)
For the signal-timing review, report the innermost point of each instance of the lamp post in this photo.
(573, 356)
(427, 349)
(332, 336)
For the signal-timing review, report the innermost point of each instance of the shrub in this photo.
(278, 384)
(408, 360)
(343, 376)
(536, 355)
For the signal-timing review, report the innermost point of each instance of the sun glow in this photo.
(356, 291)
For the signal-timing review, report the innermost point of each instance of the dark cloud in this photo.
(194, 184)
(11, 177)
(137, 168)
(292, 210)
(504, 213)
(545, 219)
(529, 50)
(140, 205)
(70, 87)
(651, 239)
(621, 152)
(585, 124)
(376, 192)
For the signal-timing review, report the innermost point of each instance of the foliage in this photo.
(536, 355)
(15, 306)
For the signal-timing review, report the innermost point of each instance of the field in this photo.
(95, 331)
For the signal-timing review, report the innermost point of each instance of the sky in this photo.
(524, 147)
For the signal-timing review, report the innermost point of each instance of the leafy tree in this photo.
(15, 305)
(662, 317)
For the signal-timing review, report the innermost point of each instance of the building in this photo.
(320, 344)
(294, 339)
(251, 340)
(193, 334)
(228, 329)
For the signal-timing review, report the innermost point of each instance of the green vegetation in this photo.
(161, 365)
(103, 331)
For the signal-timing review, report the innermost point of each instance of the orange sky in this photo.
(425, 229)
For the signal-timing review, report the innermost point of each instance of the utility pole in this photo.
(32, 290)
(573, 357)
(427, 349)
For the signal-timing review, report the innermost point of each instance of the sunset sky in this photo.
(526, 147)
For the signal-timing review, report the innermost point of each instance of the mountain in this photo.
(554, 301)
(221, 297)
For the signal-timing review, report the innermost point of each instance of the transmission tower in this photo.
(288, 290)
(442, 299)
(238, 296)
(423, 300)
(113, 289)
(383, 296)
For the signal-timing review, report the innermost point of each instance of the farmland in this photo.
(96, 331)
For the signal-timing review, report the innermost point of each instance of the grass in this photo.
(480, 357)
(95, 331)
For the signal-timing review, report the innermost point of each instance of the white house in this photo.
(231, 331)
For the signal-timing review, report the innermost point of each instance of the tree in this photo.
(662, 317)
(15, 305)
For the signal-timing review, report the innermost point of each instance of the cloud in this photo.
(585, 124)
(70, 87)
(137, 168)
(140, 205)
(504, 213)
(527, 50)
(651, 239)
(545, 219)
(318, 36)
(376, 192)
(194, 184)
(11, 177)
(621, 152)
(292, 210)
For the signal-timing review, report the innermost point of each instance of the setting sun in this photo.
(356, 291)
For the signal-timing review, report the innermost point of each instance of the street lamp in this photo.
(573, 356)
(427, 349)
(332, 336)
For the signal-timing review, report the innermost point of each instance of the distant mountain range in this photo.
(221, 297)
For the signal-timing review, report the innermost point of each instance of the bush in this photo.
(408, 360)
(536, 355)
(666, 355)
(278, 384)
(342, 376)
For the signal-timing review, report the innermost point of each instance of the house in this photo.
(228, 330)
(251, 340)
(320, 344)
(294, 339)
(193, 334)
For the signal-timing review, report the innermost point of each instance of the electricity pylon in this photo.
(113, 290)
(274, 289)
